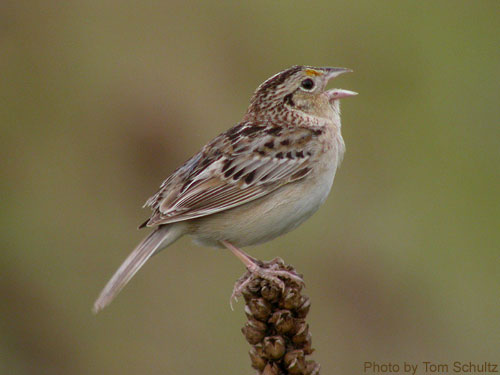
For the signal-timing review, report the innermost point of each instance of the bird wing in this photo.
(247, 162)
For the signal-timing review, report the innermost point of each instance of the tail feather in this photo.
(156, 241)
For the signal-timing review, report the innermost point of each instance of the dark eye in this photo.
(307, 84)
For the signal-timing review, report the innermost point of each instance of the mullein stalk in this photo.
(276, 328)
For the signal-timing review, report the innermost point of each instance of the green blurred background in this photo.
(101, 100)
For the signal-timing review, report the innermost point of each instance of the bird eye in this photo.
(307, 84)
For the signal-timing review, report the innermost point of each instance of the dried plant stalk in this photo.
(276, 326)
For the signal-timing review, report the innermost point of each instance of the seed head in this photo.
(276, 326)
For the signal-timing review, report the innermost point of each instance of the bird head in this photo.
(299, 88)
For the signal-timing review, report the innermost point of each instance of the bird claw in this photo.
(233, 297)
(272, 272)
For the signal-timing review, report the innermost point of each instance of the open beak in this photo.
(334, 94)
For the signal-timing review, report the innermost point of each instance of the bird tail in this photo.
(156, 241)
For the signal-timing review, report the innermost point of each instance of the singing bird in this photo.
(258, 180)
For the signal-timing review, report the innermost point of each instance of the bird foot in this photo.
(274, 272)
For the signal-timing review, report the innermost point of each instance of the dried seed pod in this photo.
(257, 357)
(291, 299)
(283, 321)
(295, 362)
(247, 294)
(259, 308)
(270, 293)
(305, 305)
(307, 346)
(254, 331)
(274, 347)
(302, 333)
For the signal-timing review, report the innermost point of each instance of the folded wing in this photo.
(212, 181)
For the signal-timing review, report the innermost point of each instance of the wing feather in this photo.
(213, 181)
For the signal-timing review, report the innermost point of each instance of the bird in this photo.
(254, 182)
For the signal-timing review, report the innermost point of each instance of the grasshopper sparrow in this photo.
(256, 181)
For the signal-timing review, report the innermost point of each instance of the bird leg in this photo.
(255, 267)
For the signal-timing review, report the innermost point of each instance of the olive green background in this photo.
(101, 100)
